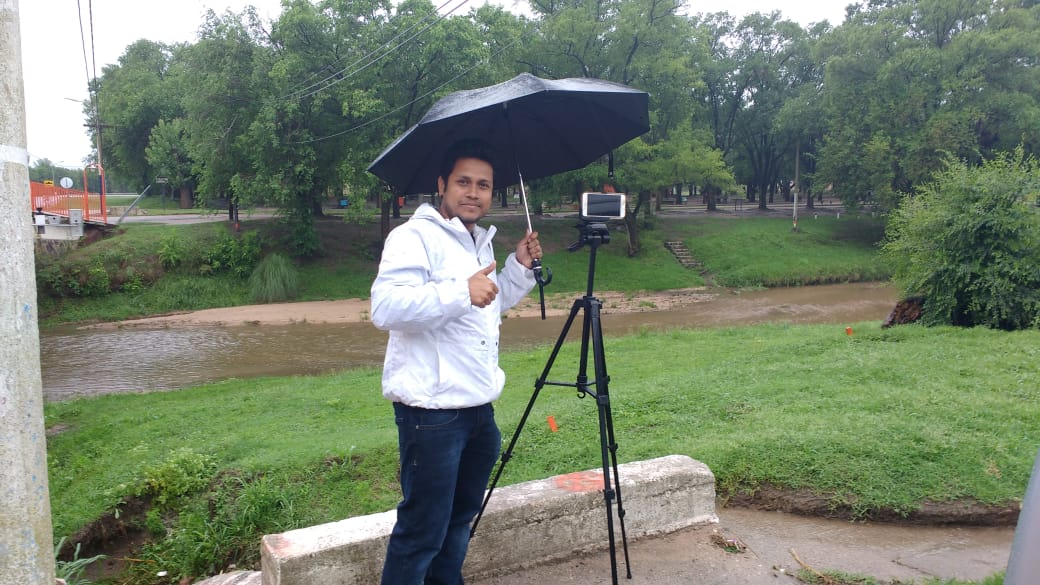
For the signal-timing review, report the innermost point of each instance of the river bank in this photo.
(733, 305)
(313, 338)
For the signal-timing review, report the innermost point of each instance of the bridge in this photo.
(60, 213)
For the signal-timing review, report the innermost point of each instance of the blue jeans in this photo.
(446, 460)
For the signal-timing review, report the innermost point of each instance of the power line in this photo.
(384, 55)
(374, 51)
(403, 106)
(87, 66)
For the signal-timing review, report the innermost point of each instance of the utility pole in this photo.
(794, 208)
(26, 536)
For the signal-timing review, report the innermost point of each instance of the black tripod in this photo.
(592, 234)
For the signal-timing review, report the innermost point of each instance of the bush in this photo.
(237, 256)
(969, 244)
(182, 473)
(275, 279)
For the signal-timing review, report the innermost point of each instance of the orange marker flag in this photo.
(552, 423)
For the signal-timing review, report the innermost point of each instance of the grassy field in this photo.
(877, 423)
(856, 419)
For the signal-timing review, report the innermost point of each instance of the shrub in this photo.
(171, 250)
(237, 256)
(182, 473)
(969, 244)
(275, 279)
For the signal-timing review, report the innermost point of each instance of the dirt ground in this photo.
(357, 310)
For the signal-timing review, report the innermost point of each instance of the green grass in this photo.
(155, 204)
(747, 252)
(882, 420)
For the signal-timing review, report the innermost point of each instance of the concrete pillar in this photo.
(26, 538)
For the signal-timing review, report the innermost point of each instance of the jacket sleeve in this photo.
(404, 295)
(514, 282)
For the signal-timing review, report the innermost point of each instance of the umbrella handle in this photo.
(543, 276)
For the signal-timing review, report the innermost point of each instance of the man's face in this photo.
(467, 192)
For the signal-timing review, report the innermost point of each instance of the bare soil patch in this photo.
(357, 310)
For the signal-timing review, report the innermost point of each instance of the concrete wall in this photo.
(524, 524)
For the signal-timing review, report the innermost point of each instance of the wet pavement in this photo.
(771, 547)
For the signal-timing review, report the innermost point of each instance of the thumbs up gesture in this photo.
(482, 290)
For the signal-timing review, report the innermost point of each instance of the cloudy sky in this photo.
(57, 60)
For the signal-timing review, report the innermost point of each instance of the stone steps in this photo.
(682, 254)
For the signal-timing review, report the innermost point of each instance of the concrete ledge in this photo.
(524, 524)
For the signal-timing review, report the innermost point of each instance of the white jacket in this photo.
(443, 351)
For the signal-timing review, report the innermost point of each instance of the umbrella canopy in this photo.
(538, 127)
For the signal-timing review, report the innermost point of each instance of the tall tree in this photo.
(220, 79)
(766, 51)
(312, 96)
(133, 95)
(910, 81)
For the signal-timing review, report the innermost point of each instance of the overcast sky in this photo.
(56, 72)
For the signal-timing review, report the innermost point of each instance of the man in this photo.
(438, 294)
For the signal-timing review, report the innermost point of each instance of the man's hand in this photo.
(482, 290)
(528, 249)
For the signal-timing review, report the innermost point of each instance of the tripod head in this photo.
(591, 233)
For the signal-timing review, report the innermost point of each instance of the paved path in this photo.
(772, 541)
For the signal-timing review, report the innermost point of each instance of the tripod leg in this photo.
(508, 453)
(617, 485)
(608, 446)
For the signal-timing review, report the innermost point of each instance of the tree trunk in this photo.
(186, 197)
(632, 227)
(384, 218)
(711, 195)
(632, 223)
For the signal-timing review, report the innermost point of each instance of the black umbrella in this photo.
(539, 127)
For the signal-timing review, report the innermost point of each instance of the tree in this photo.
(168, 155)
(220, 81)
(45, 170)
(132, 97)
(969, 244)
(910, 81)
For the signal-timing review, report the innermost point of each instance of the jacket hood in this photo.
(428, 212)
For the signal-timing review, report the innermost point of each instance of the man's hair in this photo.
(468, 148)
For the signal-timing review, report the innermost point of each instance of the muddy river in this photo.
(78, 362)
